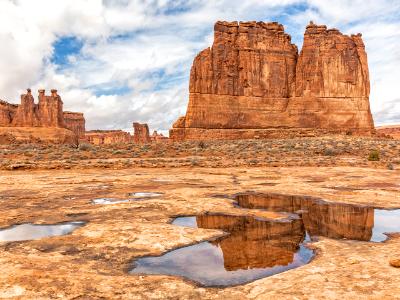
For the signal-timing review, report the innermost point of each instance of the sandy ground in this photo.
(92, 262)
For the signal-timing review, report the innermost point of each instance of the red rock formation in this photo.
(46, 135)
(51, 109)
(27, 113)
(252, 82)
(75, 122)
(158, 137)
(392, 131)
(141, 133)
(47, 113)
(7, 113)
(107, 137)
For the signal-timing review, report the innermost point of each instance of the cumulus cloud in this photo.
(134, 56)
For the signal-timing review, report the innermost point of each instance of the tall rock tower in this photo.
(51, 109)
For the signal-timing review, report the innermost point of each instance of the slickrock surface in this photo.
(107, 137)
(253, 84)
(93, 261)
(28, 117)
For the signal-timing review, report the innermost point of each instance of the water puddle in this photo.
(254, 248)
(145, 195)
(25, 232)
(329, 219)
(133, 197)
(107, 201)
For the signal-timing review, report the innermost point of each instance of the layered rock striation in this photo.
(108, 137)
(253, 83)
(141, 133)
(47, 113)
(75, 122)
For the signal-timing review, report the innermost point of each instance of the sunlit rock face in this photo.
(75, 122)
(320, 218)
(44, 121)
(255, 243)
(107, 137)
(141, 133)
(252, 82)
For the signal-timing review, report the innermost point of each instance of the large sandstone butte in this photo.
(27, 117)
(252, 83)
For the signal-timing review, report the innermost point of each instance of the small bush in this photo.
(330, 152)
(374, 155)
(202, 145)
(85, 147)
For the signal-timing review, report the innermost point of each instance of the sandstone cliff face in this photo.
(75, 122)
(141, 133)
(107, 137)
(252, 78)
(7, 113)
(158, 137)
(48, 113)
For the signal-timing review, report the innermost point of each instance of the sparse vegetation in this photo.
(85, 147)
(374, 155)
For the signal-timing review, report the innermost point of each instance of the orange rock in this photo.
(395, 263)
(158, 137)
(392, 131)
(107, 137)
(252, 81)
(75, 122)
(141, 133)
(47, 113)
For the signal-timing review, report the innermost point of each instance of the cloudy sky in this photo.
(120, 61)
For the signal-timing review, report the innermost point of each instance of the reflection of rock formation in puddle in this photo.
(321, 218)
(257, 247)
(253, 242)
(254, 248)
(26, 232)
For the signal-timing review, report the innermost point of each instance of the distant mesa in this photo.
(253, 83)
(141, 136)
(44, 121)
(392, 131)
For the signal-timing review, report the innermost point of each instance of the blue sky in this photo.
(121, 61)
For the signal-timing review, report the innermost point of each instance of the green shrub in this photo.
(374, 155)
(330, 152)
(85, 147)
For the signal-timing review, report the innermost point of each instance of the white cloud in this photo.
(148, 47)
